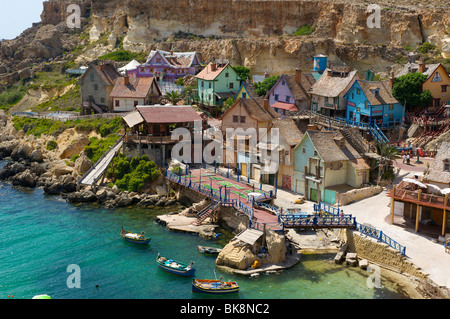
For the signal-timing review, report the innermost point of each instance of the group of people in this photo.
(406, 158)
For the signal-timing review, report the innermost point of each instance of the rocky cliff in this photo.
(409, 23)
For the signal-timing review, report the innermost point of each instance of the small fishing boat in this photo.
(134, 238)
(214, 286)
(175, 267)
(209, 250)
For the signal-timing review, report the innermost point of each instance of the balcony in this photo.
(406, 192)
(148, 139)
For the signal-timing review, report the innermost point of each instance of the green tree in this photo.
(408, 88)
(263, 87)
(243, 72)
(388, 153)
(172, 97)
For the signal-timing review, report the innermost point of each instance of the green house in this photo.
(216, 83)
(325, 164)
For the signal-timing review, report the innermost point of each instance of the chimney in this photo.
(266, 104)
(266, 74)
(213, 67)
(339, 140)
(421, 66)
(298, 76)
(391, 80)
(102, 67)
(126, 78)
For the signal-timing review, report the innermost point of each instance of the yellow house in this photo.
(438, 80)
(247, 90)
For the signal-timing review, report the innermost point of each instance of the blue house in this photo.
(372, 102)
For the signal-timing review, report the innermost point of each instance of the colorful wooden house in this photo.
(148, 129)
(216, 83)
(96, 85)
(252, 113)
(327, 94)
(289, 137)
(437, 82)
(326, 164)
(129, 93)
(246, 90)
(290, 93)
(167, 65)
(372, 102)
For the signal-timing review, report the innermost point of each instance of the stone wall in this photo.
(379, 253)
(358, 194)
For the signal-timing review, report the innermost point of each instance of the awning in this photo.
(285, 106)
(410, 180)
(133, 119)
(249, 236)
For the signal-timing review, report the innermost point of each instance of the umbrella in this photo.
(410, 180)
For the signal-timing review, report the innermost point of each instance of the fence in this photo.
(381, 237)
(63, 116)
(326, 208)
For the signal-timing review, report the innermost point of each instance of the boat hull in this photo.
(180, 271)
(209, 250)
(134, 238)
(215, 287)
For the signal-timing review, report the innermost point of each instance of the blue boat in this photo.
(214, 286)
(175, 267)
(134, 238)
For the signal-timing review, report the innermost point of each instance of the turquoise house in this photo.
(216, 83)
(372, 102)
(325, 164)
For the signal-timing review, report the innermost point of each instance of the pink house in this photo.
(167, 65)
(290, 93)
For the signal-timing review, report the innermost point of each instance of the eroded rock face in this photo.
(344, 21)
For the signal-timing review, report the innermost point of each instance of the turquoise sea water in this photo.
(42, 235)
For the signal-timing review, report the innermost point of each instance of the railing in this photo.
(402, 191)
(312, 221)
(147, 139)
(63, 117)
(326, 208)
(381, 237)
(94, 167)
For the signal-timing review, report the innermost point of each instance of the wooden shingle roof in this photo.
(384, 92)
(328, 149)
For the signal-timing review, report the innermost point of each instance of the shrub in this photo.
(304, 30)
(263, 87)
(51, 145)
(132, 174)
(425, 47)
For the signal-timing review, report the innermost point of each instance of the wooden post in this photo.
(444, 218)
(392, 205)
(417, 212)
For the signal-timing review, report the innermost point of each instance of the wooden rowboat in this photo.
(134, 238)
(175, 267)
(214, 286)
(209, 250)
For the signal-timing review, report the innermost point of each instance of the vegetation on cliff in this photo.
(133, 174)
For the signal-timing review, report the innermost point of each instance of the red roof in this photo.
(136, 88)
(285, 106)
(168, 114)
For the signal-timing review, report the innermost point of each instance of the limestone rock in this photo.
(23, 151)
(83, 164)
(363, 264)
(25, 179)
(75, 147)
(61, 168)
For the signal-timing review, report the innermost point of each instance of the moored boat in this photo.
(175, 267)
(134, 238)
(214, 286)
(209, 250)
